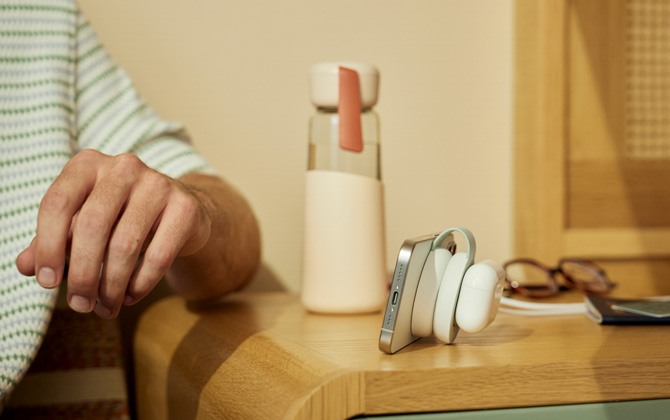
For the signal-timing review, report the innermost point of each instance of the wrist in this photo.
(207, 213)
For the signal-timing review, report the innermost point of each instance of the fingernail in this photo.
(102, 311)
(46, 277)
(80, 303)
(128, 300)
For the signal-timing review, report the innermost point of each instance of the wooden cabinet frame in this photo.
(542, 59)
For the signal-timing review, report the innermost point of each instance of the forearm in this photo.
(231, 255)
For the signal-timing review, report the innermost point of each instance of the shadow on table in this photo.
(223, 326)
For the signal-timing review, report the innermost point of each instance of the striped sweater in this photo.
(59, 93)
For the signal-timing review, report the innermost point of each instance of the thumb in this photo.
(25, 261)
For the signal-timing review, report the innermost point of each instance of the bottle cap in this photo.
(325, 83)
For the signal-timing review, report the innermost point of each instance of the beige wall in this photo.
(235, 72)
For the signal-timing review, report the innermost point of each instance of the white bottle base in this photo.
(344, 257)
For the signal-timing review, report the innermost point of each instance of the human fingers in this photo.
(25, 261)
(126, 241)
(180, 222)
(92, 229)
(61, 201)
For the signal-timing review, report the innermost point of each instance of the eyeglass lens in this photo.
(585, 275)
(531, 279)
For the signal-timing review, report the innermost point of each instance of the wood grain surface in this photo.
(263, 356)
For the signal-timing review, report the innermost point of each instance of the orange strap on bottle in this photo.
(349, 111)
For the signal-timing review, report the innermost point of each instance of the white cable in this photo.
(540, 309)
(538, 306)
(543, 313)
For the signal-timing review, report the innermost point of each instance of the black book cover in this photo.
(599, 309)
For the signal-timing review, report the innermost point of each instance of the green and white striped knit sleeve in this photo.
(36, 108)
(112, 118)
(59, 93)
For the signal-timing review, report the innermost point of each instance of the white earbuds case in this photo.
(480, 296)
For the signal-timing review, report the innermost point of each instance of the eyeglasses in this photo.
(533, 279)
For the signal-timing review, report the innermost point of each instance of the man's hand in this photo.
(103, 211)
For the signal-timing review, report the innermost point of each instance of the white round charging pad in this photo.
(444, 320)
(426, 292)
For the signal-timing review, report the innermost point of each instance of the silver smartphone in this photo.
(396, 331)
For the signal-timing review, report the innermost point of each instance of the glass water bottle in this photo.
(344, 258)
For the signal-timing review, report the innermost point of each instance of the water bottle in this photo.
(344, 255)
